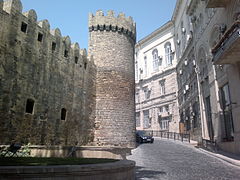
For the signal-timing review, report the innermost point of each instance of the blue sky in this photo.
(71, 16)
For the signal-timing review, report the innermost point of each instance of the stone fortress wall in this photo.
(111, 44)
(46, 82)
(54, 93)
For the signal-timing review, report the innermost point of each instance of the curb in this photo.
(235, 160)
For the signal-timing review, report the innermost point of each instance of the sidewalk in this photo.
(225, 156)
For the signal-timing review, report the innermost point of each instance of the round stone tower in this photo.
(111, 45)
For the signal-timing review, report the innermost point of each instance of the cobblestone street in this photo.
(174, 160)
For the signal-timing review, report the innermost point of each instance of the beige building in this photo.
(155, 67)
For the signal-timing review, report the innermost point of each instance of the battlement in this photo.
(110, 22)
(29, 26)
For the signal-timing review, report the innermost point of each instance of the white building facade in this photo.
(155, 67)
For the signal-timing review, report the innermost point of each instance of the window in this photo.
(167, 108)
(187, 119)
(146, 122)
(227, 112)
(76, 59)
(66, 53)
(195, 111)
(155, 60)
(147, 93)
(136, 70)
(164, 124)
(137, 97)
(85, 65)
(138, 124)
(63, 114)
(145, 66)
(24, 27)
(162, 87)
(161, 109)
(168, 53)
(29, 106)
(54, 46)
(40, 37)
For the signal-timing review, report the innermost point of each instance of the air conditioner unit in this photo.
(180, 72)
(189, 37)
(178, 42)
(183, 30)
(184, 91)
(223, 28)
(160, 57)
(172, 51)
(193, 19)
(194, 63)
(186, 62)
(187, 87)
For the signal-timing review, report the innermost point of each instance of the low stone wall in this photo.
(120, 170)
(83, 151)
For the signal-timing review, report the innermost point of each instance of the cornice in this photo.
(154, 33)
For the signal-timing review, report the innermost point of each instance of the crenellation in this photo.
(121, 15)
(110, 13)
(120, 24)
(67, 41)
(31, 15)
(99, 13)
(75, 47)
(44, 24)
(12, 6)
(84, 53)
(56, 32)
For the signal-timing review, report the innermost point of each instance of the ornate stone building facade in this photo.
(54, 93)
(188, 91)
(155, 64)
(212, 51)
(206, 41)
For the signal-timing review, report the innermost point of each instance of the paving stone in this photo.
(174, 160)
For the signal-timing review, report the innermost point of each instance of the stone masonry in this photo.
(47, 83)
(111, 45)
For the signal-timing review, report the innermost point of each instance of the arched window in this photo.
(155, 60)
(168, 53)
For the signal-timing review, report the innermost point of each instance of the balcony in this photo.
(217, 3)
(227, 50)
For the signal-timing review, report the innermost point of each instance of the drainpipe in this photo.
(205, 134)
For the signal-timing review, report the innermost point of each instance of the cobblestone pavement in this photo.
(174, 160)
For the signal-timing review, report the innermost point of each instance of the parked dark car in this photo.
(144, 137)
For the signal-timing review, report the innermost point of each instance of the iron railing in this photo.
(170, 135)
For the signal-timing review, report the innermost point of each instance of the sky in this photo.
(71, 16)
